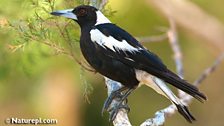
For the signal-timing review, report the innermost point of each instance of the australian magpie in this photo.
(117, 55)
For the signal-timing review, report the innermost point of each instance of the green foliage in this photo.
(43, 28)
(38, 37)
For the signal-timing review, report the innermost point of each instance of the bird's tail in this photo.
(160, 87)
(182, 109)
(173, 79)
(183, 85)
(157, 83)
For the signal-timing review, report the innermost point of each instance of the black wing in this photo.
(114, 42)
(139, 55)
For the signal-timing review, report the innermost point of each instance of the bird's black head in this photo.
(84, 15)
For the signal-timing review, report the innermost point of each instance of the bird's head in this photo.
(84, 15)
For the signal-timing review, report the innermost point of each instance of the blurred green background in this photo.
(37, 82)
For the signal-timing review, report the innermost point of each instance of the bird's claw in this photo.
(109, 100)
(121, 103)
(115, 110)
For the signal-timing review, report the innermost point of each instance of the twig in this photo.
(186, 98)
(173, 40)
(62, 51)
(103, 4)
(158, 38)
(178, 56)
(68, 40)
(209, 70)
(122, 116)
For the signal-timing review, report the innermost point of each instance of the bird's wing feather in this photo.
(120, 44)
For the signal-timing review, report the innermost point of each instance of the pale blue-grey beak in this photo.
(65, 13)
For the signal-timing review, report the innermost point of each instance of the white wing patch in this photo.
(101, 19)
(110, 42)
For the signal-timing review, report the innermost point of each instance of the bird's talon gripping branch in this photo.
(116, 94)
(120, 104)
(114, 111)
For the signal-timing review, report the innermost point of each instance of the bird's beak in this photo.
(65, 13)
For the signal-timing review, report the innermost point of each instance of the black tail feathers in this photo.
(183, 85)
(183, 110)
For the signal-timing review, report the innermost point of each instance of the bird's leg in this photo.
(120, 104)
(114, 94)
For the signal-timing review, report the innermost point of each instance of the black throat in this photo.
(87, 46)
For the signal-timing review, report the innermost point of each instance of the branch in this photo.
(122, 116)
(100, 5)
(63, 51)
(173, 40)
(186, 98)
(103, 4)
(209, 70)
(158, 38)
(177, 53)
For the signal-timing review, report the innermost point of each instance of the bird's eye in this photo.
(82, 12)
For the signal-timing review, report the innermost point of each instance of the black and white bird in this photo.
(117, 55)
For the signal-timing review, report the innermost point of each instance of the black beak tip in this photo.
(55, 13)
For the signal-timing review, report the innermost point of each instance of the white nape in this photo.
(110, 42)
(101, 19)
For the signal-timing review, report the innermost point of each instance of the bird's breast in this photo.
(89, 51)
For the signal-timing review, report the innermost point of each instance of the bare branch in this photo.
(63, 51)
(186, 98)
(122, 116)
(209, 70)
(173, 40)
(103, 4)
(177, 53)
(158, 38)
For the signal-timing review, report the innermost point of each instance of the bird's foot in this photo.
(107, 103)
(121, 102)
(114, 111)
